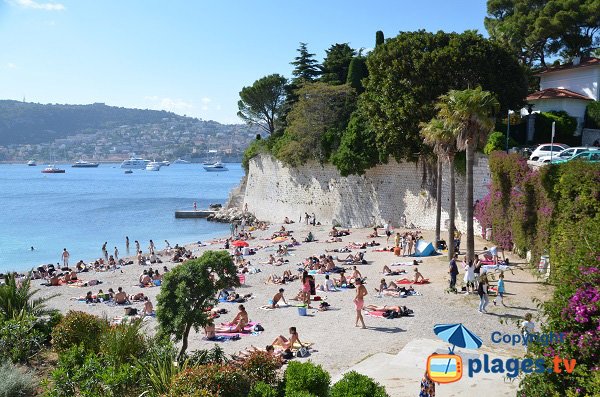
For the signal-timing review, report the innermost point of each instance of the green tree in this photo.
(316, 123)
(189, 291)
(408, 73)
(537, 29)
(306, 67)
(261, 103)
(17, 299)
(357, 71)
(336, 63)
(379, 39)
(443, 140)
(357, 151)
(469, 113)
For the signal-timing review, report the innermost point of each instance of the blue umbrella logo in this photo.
(457, 335)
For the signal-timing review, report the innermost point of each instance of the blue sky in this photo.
(189, 57)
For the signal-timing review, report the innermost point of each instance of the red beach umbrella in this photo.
(240, 243)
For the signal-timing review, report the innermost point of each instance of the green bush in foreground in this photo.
(79, 328)
(306, 377)
(19, 340)
(354, 384)
(14, 382)
(261, 389)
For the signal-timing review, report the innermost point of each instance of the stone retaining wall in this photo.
(401, 193)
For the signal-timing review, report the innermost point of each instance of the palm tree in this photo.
(443, 140)
(16, 299)
(470, 113)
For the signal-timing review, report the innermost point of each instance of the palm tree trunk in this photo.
(469, 187)
(452, 210)
(438, 207)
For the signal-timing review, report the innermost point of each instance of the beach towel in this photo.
(375, 313)
(407, 281)
(382, 250)
(402, 264)
(223, 338)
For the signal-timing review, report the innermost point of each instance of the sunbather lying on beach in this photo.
(389, 272)
(286, 343)
(237, 324)
(399, 310)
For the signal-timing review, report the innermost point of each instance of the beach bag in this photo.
(302, 352)
(258, 328)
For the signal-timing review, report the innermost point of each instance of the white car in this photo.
(566, 154)
(545, 149)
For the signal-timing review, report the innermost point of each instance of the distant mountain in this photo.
(33, 123)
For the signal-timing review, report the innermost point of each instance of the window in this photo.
(545, 148)
(556, 148)
(567, 153)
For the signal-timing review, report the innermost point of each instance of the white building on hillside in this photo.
(569, 87)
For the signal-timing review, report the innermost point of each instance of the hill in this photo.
(33, 123)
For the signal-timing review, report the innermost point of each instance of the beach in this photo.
(336, 343)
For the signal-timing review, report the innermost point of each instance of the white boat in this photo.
(135, 163)
(52, 169)
(84, 164)
(216, 167)
(181, 161)
(31, 163)
(165, 163)
(153, 166)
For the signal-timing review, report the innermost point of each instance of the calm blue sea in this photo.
(83, 208)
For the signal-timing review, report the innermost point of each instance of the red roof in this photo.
(556, 93)
(584, 62)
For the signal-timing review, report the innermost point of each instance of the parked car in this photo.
(592, 156)
(545, 149)
(566, 154)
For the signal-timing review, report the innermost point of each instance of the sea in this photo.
(85, 207)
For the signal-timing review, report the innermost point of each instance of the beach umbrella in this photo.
(279, 239)
(240, 243)
(457, 335)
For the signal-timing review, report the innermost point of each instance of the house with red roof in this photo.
(569, 87)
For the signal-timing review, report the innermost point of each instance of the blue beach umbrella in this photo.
(457, 335)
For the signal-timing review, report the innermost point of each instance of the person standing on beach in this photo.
(453, 271)
(359, 301)
(139, 258)
(482, 290)
(314, 219)
(388, 233)
(137, 246)
(116, 254)
(397, 240)
(306, 217)
(151, 247)
(65, 257)
(127, 243)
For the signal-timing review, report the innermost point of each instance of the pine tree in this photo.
(356, 72)
(306, 66)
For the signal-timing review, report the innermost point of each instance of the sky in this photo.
(190, 57)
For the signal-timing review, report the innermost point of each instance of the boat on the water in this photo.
(135, 163)
(52, 169)
(84, 164)
(129, 172)
(215, 167)
(31, 163)
(153, 166)
(181, 161)
(165, 163)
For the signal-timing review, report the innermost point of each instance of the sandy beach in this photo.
(337, 343)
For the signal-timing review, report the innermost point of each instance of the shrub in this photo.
(306, 377)
(262, 366)
(79, 328)
(19, 340)
(593, 114)
(255, 148)
(565, 127)
(354, 384)
(221, 380)
(216, 355)
(262, 389)
(15, 382)
(497, 141)
(122, 342)
(160, 367)
(299, 393)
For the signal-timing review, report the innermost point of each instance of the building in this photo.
(569, 87)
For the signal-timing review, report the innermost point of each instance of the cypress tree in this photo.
(356, 72)
(379, 39)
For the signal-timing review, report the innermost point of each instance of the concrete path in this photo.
(401, 373)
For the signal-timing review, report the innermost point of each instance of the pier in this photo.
(193, 213)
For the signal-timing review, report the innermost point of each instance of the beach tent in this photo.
(424, 248)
